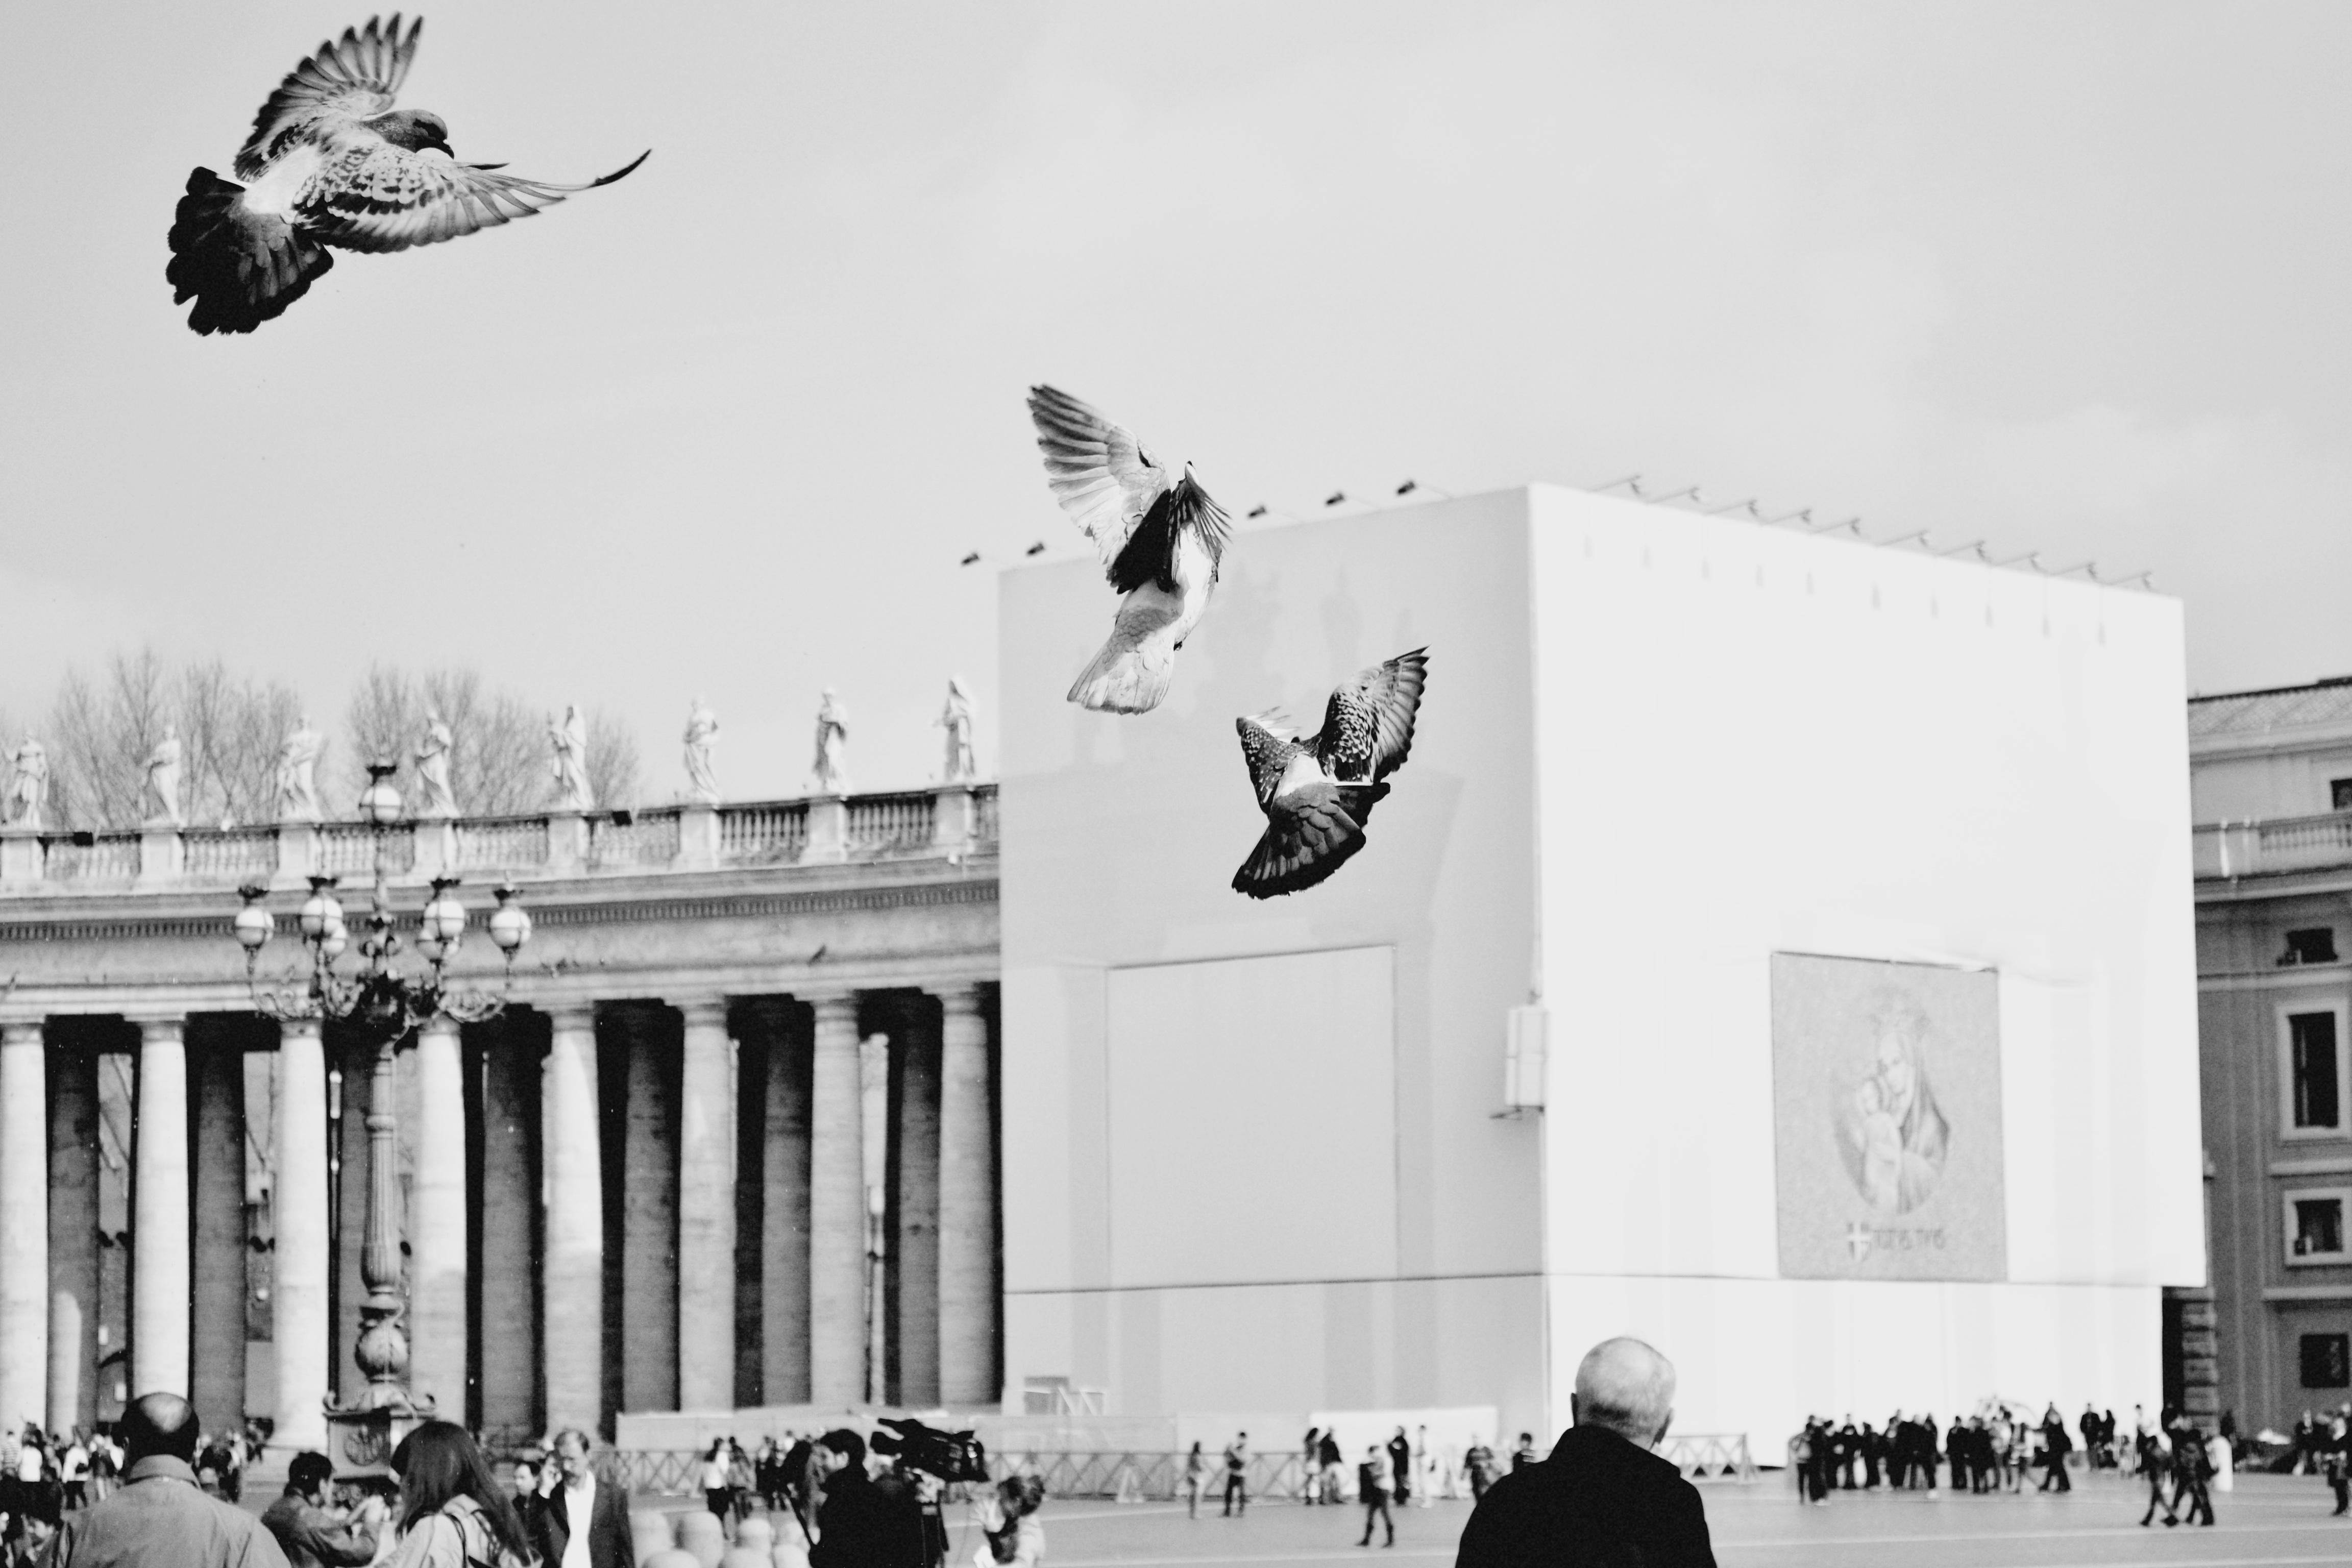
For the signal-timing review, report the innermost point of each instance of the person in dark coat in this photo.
(860, 1524)
(581, 1501)
(1602, 1497)
(1400, 1468)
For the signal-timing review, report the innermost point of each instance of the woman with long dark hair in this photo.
(452, 1509)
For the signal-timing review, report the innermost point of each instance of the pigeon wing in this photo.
(1267, 748)
(349, 79)
(370, 196)
(1101, 474)
(1382, 700)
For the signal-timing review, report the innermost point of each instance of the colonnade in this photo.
(630, 1205)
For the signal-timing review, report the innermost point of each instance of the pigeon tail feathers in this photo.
(240, 267)
(1309, 833)
(1125, 677)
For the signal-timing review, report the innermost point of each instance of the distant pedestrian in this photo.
(2153, 1451)
(2190, 1464)
(1196, 1479)
(1332, 1461)
(1237, 1476)
(1400, 1468)
(1374, 1477)
(1478, 1468)
(1524, 1454)
(161, 1516)
(1310, 1466)
(2054, 1447)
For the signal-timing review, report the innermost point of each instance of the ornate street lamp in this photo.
(388, 1006)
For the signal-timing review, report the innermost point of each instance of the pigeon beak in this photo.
(441, 147)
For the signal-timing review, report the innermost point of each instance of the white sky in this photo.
(2069, 277)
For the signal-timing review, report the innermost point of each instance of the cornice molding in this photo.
(553, 916)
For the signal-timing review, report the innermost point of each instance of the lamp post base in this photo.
(362, 1437)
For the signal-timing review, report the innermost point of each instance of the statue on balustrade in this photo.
(701, 730)
(28, 793)
(956, 719)
(829, 774)
(297, 765)
(164, 779)
(433, 769)
(569, 737)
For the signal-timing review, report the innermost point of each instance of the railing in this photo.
(890, 822)
(2275, 844)
(648, 838)
(501, 843)
(348, 849)
(108, 858)
(756, 833)
(229, 854)
(762, 835)
(1709, 1457)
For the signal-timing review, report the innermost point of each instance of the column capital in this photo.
(161, 1031)
(705, 1012)
(571, 1017)
(961, 997)
(831, 1002)
(439, 1024)
(300, 1029)
(21, 1032)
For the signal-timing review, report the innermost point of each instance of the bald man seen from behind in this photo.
(159, 1516)
(1602, 1499)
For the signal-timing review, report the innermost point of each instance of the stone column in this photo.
(23, 1225)
(784, 1212)
(159, 1224)
(74, 1210)
(299, 1326)
(510, 1217)
(572, 1321)
(706, 1211)
(915, 1249)
(967, 1205)
(215, 1047)
(837, 1208)
(436, 1223)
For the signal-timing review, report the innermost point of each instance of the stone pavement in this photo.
(2269, 1520)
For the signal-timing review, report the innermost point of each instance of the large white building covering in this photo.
(1851, 883)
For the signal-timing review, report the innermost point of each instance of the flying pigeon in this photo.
(331, 163)
(1160, 536)
(1318, 792)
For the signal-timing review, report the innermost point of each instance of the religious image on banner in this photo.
(1886, 1111)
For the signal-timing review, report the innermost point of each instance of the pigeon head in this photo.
(417, 130)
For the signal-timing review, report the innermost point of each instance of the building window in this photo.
(2339, 793)
(2313, 1072)
(2315, 1225)
(2327, 1361)
(2314, 945)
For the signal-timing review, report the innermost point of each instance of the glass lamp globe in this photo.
(321, 911)
(334, 938)
(380, 804)
(254, 924)
(509, 925)
(445, 917)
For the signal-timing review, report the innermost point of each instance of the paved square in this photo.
(2267, 1521)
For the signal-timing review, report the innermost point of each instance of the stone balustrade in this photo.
(2273, 844)
(947, 820)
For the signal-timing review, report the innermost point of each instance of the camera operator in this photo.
(860, 1524)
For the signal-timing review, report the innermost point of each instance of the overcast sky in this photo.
(2072, 278)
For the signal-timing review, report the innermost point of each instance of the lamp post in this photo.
(388, 1006)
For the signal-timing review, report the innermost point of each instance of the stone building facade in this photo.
(2270, 780)
(733, 1142)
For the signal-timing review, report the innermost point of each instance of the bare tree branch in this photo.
(614, 767)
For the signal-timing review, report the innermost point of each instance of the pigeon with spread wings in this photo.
(331, 164)
(1318, 792)
(1160, 536)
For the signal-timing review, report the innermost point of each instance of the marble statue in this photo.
(701, 730)
(298, 764)
(956, 720)
(29, 794)
(569, 737)
(829, 774)
(433, 769)
(163, 778)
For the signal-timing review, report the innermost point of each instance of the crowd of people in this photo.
(45, 1475)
